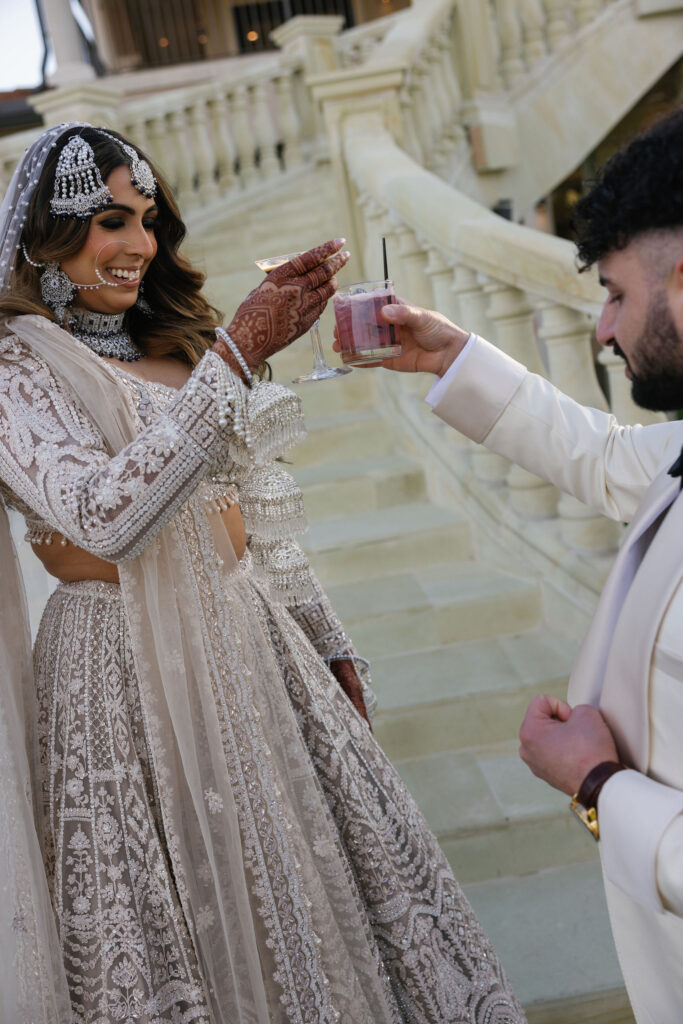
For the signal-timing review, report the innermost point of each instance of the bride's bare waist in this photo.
(72, 564)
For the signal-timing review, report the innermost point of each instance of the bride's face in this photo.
(120, 243)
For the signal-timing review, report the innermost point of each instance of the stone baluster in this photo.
(411, 137)
(426, 111)
(441, 277)
(567, 337)
(264, 130)
(224, 146)
(513, 316)
(161, 153)
(621, 403)
(558, 27)
(135, 129)
(241, 130)
(510, 35)
(471, 304)
(586, 10)
(182, 157)
(373, 217)
(533, 27)
(446, 139)
(204, 153)
(413, 260)
(445, 44)
(419, 119)
(290, 128)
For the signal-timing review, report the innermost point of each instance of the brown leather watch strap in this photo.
(597, 777)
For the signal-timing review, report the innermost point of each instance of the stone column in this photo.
(67, 44)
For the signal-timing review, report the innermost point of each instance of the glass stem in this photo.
(319, 361)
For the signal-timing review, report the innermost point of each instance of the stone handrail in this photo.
(358, 45)
(516, 286)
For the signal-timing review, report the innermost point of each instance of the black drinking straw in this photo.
(392, 333)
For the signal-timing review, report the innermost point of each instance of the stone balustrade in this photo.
(518, 287)
(220, 138)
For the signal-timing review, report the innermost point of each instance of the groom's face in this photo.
(642, 319)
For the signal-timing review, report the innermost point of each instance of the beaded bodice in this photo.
(56, 471)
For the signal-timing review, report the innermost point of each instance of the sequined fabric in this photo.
(128, 939)
(128, 950)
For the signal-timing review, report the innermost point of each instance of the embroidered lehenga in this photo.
(196, 825)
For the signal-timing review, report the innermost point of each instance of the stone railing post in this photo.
(241, 129)
(264, 131)
(224, 146)
(440, 274)
(472, 304)
(160, 151)
(567, 337)
(513, 316)
(558, 24)
(586, 10)
(204, 154)
(510, 35)
(413, 260)
(290, 128)
(182, 157)
(533, 26)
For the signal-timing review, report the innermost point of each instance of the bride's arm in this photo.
(54, 459)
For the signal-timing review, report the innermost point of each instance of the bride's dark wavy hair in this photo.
(182, 322)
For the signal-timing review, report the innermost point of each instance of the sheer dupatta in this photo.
(265, 886)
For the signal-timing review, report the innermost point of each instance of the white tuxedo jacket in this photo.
(631, 662)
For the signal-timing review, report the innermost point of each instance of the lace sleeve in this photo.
(54, 459)
(321, 624)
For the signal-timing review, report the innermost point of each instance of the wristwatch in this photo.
(585, 803)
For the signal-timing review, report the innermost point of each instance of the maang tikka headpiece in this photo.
(79, 188)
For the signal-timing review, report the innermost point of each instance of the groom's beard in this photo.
(658, 384)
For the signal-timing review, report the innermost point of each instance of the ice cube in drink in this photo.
(364, 337)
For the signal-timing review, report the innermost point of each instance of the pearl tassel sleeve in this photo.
(54, 460)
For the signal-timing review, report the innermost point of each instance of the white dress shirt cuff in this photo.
(634, 812)
(477, 390)
(441, 384)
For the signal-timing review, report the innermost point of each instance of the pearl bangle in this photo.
(221, 333)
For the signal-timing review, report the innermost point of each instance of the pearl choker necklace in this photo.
(104, 333)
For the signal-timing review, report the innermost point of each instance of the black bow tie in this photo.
(677, 468)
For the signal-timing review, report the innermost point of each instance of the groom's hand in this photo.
(561, 744)
(429, 341)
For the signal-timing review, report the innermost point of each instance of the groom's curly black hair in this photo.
(639, 189)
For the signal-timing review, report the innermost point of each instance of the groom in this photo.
(618, 743)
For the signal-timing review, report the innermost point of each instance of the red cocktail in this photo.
(364, 337)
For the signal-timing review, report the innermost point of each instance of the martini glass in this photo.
(320, 371)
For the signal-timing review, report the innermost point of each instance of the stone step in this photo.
(491, 815)
(405, 611)
(552, 934)
(382, 541)
(336, 395)
(341, 488)
(458, 696)
(344, 436)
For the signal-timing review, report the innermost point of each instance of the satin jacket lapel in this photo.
(585, 683)
(625, 692)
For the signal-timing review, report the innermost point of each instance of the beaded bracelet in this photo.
(223, 334)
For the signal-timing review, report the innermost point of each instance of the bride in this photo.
(196, 824)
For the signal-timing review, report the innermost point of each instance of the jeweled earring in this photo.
(57, 289)
(142, 304)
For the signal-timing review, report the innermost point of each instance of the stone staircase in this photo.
(458, 649)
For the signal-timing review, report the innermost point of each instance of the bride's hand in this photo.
(287, 303)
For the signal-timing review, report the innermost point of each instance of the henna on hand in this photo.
(286, 304)
(344, 671)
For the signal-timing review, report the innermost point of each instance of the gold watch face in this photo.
(588, 818)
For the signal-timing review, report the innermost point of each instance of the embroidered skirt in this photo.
(127, 948)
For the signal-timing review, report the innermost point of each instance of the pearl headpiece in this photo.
(79, 188)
